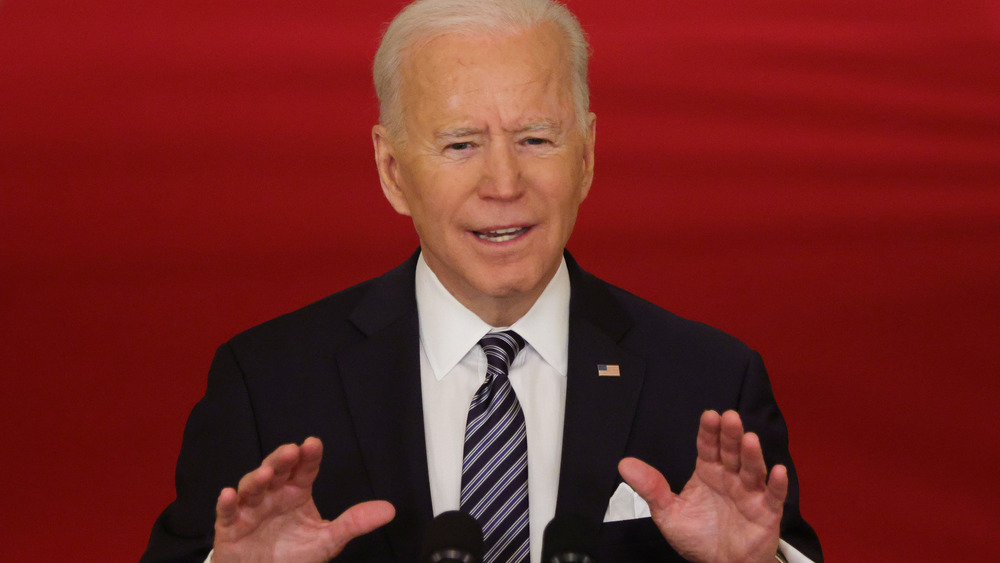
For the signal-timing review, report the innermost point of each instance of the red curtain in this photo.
(821, 179)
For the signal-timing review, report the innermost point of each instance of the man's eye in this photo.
(460, 146)
(535, 141)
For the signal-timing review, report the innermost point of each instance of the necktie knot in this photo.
(501, 348)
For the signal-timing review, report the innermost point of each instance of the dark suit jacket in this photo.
(346, 369)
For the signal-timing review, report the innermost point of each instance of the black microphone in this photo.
(453, 537)
(569, 538)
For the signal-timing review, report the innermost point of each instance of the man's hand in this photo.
(271, 515)
(728, 510)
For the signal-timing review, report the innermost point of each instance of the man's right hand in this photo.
(271, 515)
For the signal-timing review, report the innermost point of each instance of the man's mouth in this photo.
(501, 235)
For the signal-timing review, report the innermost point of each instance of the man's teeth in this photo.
(501, 235)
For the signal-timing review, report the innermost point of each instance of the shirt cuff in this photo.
(791, 554)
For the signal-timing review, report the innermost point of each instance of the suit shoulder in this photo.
(326, 318)
(337, 320)
(342, 316)
(655, 328)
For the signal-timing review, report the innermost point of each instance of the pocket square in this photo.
(626, 504)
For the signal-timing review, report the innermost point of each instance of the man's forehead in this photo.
(454, 86)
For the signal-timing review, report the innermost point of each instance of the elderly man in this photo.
(489, 373)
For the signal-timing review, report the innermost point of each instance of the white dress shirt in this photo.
(453, 367)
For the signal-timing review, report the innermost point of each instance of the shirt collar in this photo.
(448, 330)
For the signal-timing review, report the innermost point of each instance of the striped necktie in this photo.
(495, 468)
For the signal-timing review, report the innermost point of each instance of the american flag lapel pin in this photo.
(608, 370)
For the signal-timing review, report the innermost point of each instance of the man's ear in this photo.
(588, 156)
(388, 169)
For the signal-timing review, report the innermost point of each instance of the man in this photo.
(485, 141)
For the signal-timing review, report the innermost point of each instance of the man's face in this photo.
(494, 164)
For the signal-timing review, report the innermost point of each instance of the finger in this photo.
(753, 472)
(253, 485)
(282, 462)
(359, 520)
(227, 508)
(777, 488)
(708, 436)
(647, 482)
(730, 440)
(283, 455)
(310, 456)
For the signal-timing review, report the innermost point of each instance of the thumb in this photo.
(647, 482)
(360, 519)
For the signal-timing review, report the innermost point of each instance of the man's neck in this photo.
(495, 310)
(502, 311)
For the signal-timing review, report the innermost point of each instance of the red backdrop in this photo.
(818, 178)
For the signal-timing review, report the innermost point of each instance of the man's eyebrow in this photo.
(458, 132)
(544, 125)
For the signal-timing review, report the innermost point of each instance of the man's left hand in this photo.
(729, 510)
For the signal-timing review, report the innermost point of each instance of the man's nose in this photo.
(502, 173)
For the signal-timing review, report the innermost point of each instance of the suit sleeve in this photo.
(220, 445)
(760, 414)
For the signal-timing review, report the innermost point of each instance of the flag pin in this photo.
(608, 370)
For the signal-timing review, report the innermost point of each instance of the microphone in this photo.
(569, 538)
(453, 537)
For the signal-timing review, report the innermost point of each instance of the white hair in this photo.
(425, 19)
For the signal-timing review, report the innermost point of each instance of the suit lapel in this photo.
(599, 409)
(381, 376)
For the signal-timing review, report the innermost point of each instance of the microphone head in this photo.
(453, 537)
(569, 538)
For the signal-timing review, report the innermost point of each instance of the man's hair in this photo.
(424, 20)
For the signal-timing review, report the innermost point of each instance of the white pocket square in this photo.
(626, 504)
